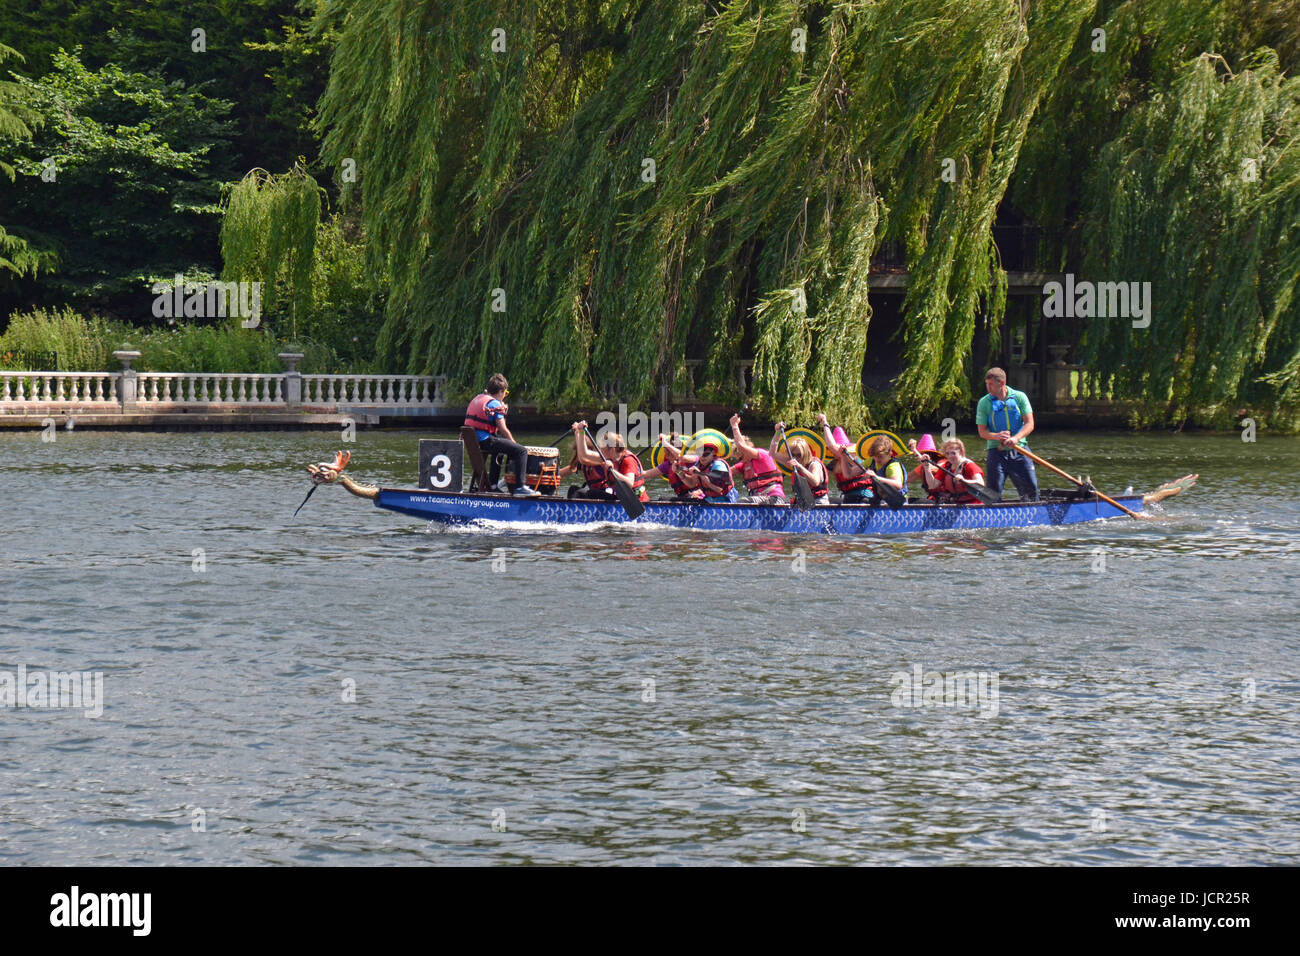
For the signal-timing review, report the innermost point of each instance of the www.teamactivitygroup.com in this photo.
(83, 690)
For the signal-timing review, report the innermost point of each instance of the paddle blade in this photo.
(803, 493)
(628, 499)
(893, 497)
(983, 494)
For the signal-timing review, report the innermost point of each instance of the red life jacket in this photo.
(598, 480)
(476, 416)
(852, 484)
(765, 482)
(824, 489)
(674, 479)
(959, 494)
(725, 483)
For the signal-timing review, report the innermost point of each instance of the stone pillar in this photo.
(292, 379)
(127, 380)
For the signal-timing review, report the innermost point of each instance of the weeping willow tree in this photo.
(1200, 195)
(268, 235)
(584, 194)
(1164, 165)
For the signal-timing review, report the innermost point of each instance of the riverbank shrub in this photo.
(87, 344)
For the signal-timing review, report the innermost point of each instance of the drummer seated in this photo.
(487, 416)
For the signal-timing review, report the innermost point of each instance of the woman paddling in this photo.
(851, 475)
(800, 460)
(887, 470)
(626, 466)
(713, 475)
(675, 468)
(758, 469)
(943, 486)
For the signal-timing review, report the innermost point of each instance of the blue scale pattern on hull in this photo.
(843, 519)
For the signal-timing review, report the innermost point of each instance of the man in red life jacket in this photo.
(627, 467)
(487, 416)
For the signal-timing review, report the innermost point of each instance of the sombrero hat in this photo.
(694, 444)
(864, 443)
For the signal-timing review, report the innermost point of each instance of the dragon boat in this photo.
(1056, 507)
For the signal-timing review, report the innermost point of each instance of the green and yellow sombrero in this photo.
(864, 443)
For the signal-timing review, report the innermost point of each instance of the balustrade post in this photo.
(292, 379)
(127, 379)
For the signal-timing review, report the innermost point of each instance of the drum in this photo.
(543, 470)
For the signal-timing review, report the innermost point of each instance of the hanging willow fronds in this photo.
(647, 180)
(268, 235)
(1199, 195)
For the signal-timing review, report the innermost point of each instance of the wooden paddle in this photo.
(1048, 465)
(626, 496)
(803, 495)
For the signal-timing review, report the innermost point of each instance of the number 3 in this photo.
(443, 476)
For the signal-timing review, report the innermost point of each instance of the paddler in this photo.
(713, 476)
(966, 471)
(487, 416)
(1009, 412)
(927, 472)
(800, 460)
(675, 466)
(886, 468)
(851, 475)
(758, 470)
(626, 466)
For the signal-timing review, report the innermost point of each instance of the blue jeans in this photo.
(1003, 463)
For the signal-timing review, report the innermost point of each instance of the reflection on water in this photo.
(634, 694)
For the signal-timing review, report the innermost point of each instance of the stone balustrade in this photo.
(133, 390)
(59, 388)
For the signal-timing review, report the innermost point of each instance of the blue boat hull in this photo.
(458, 509)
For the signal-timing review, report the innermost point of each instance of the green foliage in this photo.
(347, 302)
(87, 344)
(258, 55)
(138, 164)
(1199, 194)
(220, 348)
(17, 255)
(268, 235)
(779, 172)
(83, 345)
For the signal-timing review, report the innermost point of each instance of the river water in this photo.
(351, 686)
